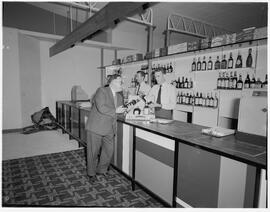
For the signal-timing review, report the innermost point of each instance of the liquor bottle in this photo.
(178, 98)
(200, 100)
(265, 83)
(231, 81)
(238, 63)
(239, 83)
(234, 81)
(247, 82)
(252, 82)
(207, 100)
(217, 64)
(258, 83)
(171, 67)
(230, 61)
(193, 66)
(199, 65)
(249, 58)
(178, 83)
(182, 84)
(186, 83)
(203, 100)
(186, 99)
(226, 81)
(215, 104)
(224, 62)
(203, 64)
(222, 84)
(210, 64)
(196, 99)
(219, 80)
(190, 83)
(211, 103)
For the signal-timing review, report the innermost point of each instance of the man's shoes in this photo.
(92, 178)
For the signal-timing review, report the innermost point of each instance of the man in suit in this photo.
(101, 126)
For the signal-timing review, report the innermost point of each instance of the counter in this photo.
(178, 164)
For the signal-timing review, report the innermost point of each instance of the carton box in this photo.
(149, 55)
(182, 47)
(163, 51)
(156, 53)
(230, 38)
(260, 33)
(245, 34)
(192, 46)
(218, 40)
(205, 43)
(137, 57)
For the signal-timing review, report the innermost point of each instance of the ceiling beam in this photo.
(108, 16)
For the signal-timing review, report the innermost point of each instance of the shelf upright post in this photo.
(150, 30)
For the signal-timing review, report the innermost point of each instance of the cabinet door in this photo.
(198, 177)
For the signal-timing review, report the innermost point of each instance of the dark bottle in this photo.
(203, 64)
(171, 67)
(265, 83)
(252, 82)
(168, 68)
(190, 83)
(196, 99)
(234, 81)
(222, 84)
(219, 80)
(249, 58)
(224, 62)
(230, 61)
(247, 82)
(199, 64)
(226, 81)
(193, 66)
(178, 83)
(186, 83)
(258, 83)
(217, 64)
(182, 84)
(203, 100)
(211, 103)
(238, 63)
(200, 100)
(178, 98)
(210, 64)
(207, 100)
(239, 84)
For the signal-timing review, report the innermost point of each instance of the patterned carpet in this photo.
(60, 179)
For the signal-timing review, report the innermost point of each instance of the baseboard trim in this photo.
(12, 130)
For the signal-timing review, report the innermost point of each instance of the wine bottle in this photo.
(178, 83)
(193, 66)
(238, 63)
(196, 99)
(230, 61)
(265, 83)
(247, 82)
(190, 83)
(215, 101)
(249, 58)
(222, 84)
(239, 83)
(219, 81)
(217, 64)
(203, 64)
(186, 83)
(203, 100)
(231, 81)
(200, 100)
(258, 83)
(210, 64)
(226, 81)
(171, 67)
(234, 81)
(207, 100)
(224, 62)
(178, 98)
(252, 82)
(211, 103)
(199, 65)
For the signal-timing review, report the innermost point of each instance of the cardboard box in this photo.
(156, 53)
(116, 62)
(230, 38)
(205, 43)
(245, 35)
(192, 46)
(129, 58)
(137, 57)
(148, 55)
(182, 47)
(218, 40)
(260, 33)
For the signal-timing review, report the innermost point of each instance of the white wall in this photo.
(11, 109)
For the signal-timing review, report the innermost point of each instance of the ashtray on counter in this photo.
(218, 131)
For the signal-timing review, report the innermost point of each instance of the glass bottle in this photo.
(239, 83)
(249, 58)
(203, 64)
(230, 61)
(252, 82)
(224, 62)
(210, 64)
(219, 81)
(226, 81)
(171, 67)
(215, 104)
(238, 63)
(231, 81)
(217, 64)
(247, 82)
(193, 66)
(265, 83)
(199, 64)
(234, 80)
(258, 83)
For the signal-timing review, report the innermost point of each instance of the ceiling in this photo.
(231, 16)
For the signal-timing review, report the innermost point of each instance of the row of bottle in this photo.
(167, 68)
(223, 64)
(185, 83)
(225, 81)
(201, 99)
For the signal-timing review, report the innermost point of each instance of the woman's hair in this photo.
(112, 77)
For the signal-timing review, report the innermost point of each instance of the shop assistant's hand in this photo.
(121, 109)
(152, 105)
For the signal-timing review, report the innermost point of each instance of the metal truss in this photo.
(145, 18)
(185, 25)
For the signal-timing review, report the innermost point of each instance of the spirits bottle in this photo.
(217, 64)
(252, 82)
(178, 97)
(211, 103)
(224, 62)
(203, 100)
(193, 66)
(226, 81)
(168, 68)
(234, 81)
(239, 83)
(215, 101)
(230, 61)
(219, 81)
(231, 81)
(178, 83)
(171, 67)
(190, 83)
(196, 99)
(199, 65)
(186, 83)
(182, 84)
(207, 100)
(200, 100)
(238, 63)
(203, 64)
(210, 64)
(265, 83)
(247, 82)
(258, 83)
(249, 58)
(222, 84)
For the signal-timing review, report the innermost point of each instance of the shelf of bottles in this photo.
(198, 100)
(168, 68)
(185, 83)
(224, 64)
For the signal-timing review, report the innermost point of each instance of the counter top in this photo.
(228, 146)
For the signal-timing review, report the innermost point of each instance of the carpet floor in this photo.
(60, 179)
